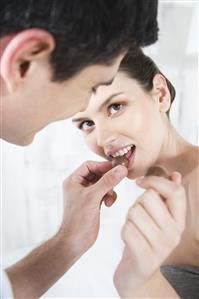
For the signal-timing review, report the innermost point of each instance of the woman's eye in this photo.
(112, 109)
(86, 125)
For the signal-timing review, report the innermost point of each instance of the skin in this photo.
(162, 226)
(27, 91)
(29, 102)
(36, 273)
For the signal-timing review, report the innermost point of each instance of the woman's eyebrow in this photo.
(105, 103)
(80, 119)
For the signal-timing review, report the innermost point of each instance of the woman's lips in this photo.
(131, 158)
(126, 160)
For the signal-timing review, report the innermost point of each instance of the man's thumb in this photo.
(109, 180)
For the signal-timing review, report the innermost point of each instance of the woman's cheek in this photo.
(89, 143)
(92, 144)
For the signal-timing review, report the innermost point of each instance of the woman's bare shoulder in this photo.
(193, 198)
(193, 176)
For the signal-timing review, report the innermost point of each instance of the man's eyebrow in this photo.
(105, 103)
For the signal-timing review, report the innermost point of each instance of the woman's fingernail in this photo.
(139, 180)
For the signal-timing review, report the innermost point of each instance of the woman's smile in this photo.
(117, 122)
(124, 156)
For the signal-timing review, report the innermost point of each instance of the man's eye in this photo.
(114, 108)
(86, 125)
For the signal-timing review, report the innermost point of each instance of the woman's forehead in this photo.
(101, 98)
(121, 85)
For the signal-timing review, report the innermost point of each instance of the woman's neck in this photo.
(176, 153)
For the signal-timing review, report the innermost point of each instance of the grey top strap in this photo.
(184, 279)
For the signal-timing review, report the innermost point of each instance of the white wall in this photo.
(32, 176)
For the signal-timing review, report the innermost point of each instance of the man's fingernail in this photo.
(120, 172)
(113, 163)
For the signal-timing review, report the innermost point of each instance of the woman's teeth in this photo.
(122, 156)
(122, 152)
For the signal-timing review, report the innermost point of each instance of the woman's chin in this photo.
(132, 175)
(135, 173)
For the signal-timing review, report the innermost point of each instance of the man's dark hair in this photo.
(142, 68)
(86, 31)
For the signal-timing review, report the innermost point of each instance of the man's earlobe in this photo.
(24, 48)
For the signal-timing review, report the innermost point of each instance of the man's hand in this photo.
(153, 229)
(84, 191)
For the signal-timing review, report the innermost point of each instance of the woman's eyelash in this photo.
(80, 126)
(115, 106)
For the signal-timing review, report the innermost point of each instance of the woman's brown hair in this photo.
(142, 68)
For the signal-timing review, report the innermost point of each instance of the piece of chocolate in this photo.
(158, 171)
(120, 161)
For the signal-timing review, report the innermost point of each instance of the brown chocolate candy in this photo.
(120, 161)
(158, 171)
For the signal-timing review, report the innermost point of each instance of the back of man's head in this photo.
(86, 32)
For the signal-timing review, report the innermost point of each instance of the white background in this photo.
(32, 176)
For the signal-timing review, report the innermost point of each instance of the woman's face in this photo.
(124, 120)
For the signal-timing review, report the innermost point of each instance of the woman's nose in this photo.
(105, 137)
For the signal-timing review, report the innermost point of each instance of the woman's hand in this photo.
(153, 228)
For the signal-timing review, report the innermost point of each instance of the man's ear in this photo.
(161, 92)
(21, 51)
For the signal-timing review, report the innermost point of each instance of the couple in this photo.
(51, 64)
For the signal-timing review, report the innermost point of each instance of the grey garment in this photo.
(184, 279)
